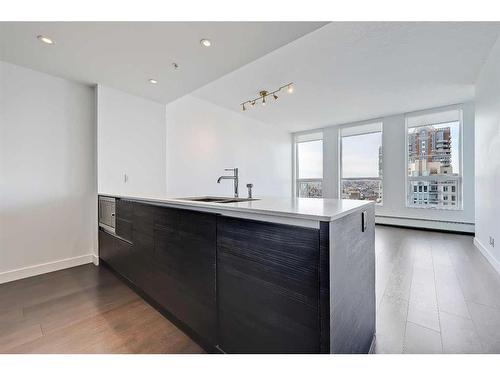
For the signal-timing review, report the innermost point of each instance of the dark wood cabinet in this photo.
(116, 253)
(185, 252)
(170, 258)
(267, 287)
(106, 246)
(123, 219)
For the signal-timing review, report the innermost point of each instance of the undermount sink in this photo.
(218, 199)
(235, 200)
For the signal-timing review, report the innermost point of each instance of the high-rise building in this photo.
(432, 182)
(429, 151)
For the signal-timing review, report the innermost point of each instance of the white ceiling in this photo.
(343, 71)
(124, 55)
(353, 71)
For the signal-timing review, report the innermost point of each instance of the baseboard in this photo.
(448, 226)
(495, 263)
(22, 273)
(95, 259)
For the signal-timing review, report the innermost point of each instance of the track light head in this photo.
(263, 94)
(275, 96)
(290, 88)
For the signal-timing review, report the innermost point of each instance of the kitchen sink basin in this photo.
(205, 199)
(235, 200)
(218, 199)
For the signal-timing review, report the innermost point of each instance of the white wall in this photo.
(47, 173)
(394, 210)
(131, 141)
(487, 157)
(203, 139)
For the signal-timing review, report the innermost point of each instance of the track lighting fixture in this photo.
(263, 94)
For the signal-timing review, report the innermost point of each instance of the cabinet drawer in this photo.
(116, 253)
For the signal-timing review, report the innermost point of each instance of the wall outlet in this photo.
(492, 242)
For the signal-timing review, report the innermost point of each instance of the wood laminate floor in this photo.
(435, 294)
(85, 309)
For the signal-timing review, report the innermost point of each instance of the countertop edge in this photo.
(225, 207)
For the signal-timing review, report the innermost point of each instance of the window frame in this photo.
(340, 154)
(460, 194)
(302, 137)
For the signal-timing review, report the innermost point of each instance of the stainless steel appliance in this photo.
(107, 213)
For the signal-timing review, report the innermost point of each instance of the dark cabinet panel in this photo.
(185, 252)
(116, 253)
(267, 287)
(106, 246)
(123, 219)
(324, 286)
(171, 258)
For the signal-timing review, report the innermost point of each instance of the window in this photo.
(361, 162)
(309, 165)
(433, 151)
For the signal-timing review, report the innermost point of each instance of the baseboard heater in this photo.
(441, 225)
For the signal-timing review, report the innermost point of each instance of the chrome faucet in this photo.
(234, 177)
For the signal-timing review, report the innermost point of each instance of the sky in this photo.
(360, 155)
(310, 158)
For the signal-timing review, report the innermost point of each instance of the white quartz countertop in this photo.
(301, 208)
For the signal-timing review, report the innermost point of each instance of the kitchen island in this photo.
(291, 275)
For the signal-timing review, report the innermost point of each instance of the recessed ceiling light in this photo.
(45, 39)
(206, 42)
(152, 81)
